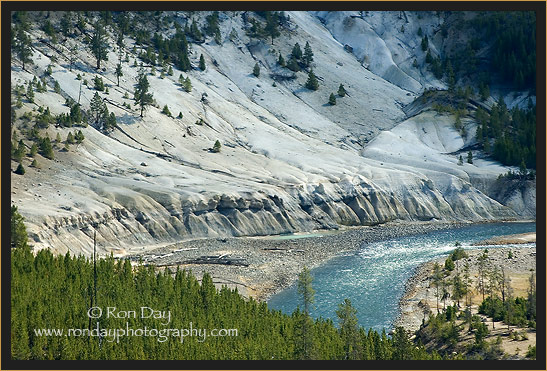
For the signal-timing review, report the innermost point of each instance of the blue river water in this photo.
(374, 276)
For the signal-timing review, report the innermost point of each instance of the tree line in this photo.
(57, 291)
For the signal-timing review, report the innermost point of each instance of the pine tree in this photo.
(458, 288)
(99, 43)
(119, 72)
(402, 346)
(281, 61)
(332, 99)
(349, 330)
(19, 237)
(271, 25)
(22, 45)
(57, 87)
(451, 77)
(98, 109)
(437, 278)
(30, 92)
(256, 70)
(216, 147)
(307, 58)
(469, 157)
(307, 293)
(460, 160)
(70, 138)
(296, 51)
(79, 137)
(33, 150)
(20, 169)
(312, 82)
(341, 91)
(98, 83)
(110, 122)
(292, 64)
(46, 148)
(142, 97)
(166, 111)
(425, 43)
(187, 85)
(202, 62)
(482, 262)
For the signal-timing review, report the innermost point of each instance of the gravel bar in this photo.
(262, 266)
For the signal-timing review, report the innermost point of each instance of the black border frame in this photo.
(7, 6)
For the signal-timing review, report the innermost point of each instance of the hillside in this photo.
(288, 160)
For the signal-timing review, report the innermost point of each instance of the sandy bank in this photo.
(419, 298)
(509, 239)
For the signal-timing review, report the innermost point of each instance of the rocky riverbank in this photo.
(262, 266)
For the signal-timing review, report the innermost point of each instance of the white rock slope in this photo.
(289, 161)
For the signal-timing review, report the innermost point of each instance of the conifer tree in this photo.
(19, 237)
(425, 43)
(307, 293)
(142, 97)
(349, 330)
(281, 61)
(402, 346)
(216, 146)
(98, 109)
(46, 148)
(70, 138)
(119, 72)
(469, 157)
(99, 43)
(437, 278)
(22, 45)
(187, 85)
(66, 24)
(271, 25)
(19, 151)
(202, 62)
(30, 92)
(256, 70)
(20, 169)
(33, 150)
(292, 64)
(458, 288)
(79, 137)
(332, 99)
(307, 58)
(296, 51)
(481, 282)
(312, 82)
(341, 91)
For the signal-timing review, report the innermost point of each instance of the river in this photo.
(374, 276)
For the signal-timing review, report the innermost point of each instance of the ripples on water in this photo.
(373, 277)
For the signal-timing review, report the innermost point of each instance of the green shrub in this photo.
(449, 264)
